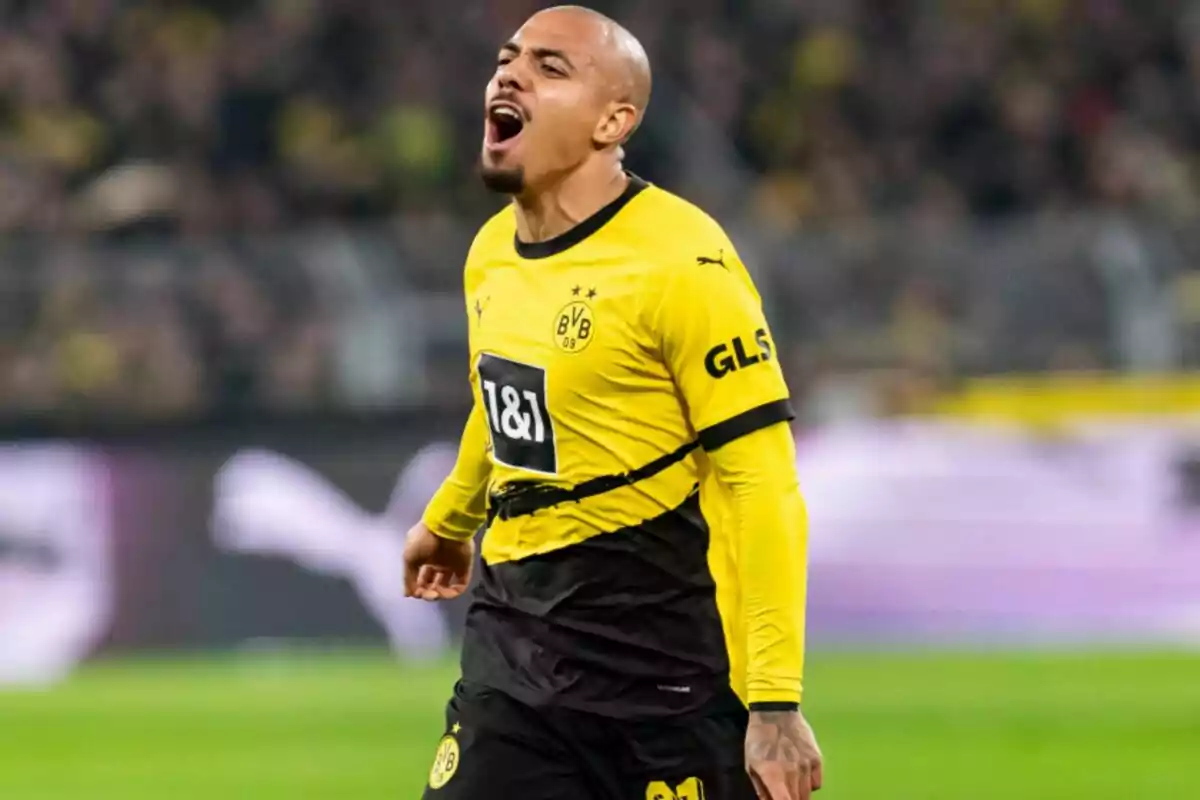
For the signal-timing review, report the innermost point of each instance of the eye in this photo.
(502, 60)
(557, 72)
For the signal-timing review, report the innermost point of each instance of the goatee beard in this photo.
(503, 181)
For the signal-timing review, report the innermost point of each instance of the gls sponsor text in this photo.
(731, 356)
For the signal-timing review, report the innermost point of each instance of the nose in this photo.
(512, 76)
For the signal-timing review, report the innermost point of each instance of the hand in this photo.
(782, 756)
(436, 568)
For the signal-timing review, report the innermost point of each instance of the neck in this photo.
(555, 209)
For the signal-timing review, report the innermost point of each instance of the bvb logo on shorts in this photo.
(574, 327)
(445, 763)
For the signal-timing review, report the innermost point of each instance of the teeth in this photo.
(505, 111)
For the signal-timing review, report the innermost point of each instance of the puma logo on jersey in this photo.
(732, 356)
(719, 260)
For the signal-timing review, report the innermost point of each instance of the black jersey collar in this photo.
(583, 230)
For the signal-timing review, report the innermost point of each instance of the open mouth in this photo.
(505, 121)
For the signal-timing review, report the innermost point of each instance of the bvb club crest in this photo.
(574, 327)
(445, 763)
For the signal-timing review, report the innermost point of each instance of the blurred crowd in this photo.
(91, 333)
(854, 147)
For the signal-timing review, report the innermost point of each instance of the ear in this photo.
(616, 126)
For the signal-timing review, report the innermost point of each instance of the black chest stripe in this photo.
(522, 498)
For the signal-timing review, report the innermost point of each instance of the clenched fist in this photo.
(436, 568)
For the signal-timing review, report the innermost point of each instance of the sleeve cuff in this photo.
(788, 694)
(757, 418)
(774, 706)
(453, 525)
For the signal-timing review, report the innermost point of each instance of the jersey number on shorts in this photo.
(514, 401)
(691, 789)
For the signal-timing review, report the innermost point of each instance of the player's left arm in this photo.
(759, 471)
(717, 344)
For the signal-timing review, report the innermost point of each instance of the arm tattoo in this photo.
(775, 736)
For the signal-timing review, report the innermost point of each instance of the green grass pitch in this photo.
(352, 725)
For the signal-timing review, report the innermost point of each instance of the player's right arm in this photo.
(459, 506)
(440, 551)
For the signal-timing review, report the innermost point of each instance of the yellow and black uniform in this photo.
(644, 554)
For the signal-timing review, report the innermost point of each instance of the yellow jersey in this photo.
(605, 365)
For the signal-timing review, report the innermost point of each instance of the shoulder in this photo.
(681, 231)
(691, 251)
(494, 237)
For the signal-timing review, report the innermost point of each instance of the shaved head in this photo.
(571, 87)
(620, 59)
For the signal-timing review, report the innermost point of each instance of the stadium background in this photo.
(231, 371)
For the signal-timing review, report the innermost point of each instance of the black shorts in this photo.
(495, 748)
